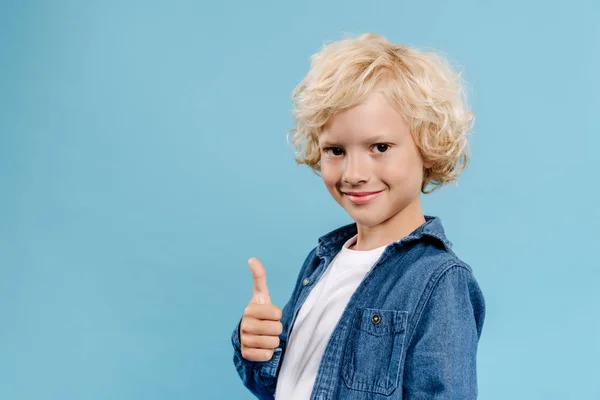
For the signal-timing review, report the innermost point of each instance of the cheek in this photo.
(395, 173)
(406, 168)
(328, 175)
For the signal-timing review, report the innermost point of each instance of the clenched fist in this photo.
(261, 324)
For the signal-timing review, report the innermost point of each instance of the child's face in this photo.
(353, 159)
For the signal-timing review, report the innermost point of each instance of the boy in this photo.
(382, 308)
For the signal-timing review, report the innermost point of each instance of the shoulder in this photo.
(456, 275)
(427, 261)
(452, 292)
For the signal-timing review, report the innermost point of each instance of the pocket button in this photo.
(376, 319)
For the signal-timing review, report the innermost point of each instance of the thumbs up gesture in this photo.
(261, 324)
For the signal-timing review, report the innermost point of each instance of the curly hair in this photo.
(425, 89)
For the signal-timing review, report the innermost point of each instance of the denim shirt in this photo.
(410, 330)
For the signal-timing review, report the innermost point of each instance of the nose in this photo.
(356, 170)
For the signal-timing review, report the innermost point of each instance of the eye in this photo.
(382, 147)
(327, 149)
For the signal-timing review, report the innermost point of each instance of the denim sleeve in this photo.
(260, 377)
(442, 352)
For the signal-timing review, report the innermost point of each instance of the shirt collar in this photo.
(333, 240)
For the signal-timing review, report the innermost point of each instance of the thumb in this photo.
(260, 291)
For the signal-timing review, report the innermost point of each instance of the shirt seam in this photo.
(428, 291)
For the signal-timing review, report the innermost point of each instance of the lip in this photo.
(362, 197)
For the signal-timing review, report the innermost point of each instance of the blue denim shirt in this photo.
(410, 330)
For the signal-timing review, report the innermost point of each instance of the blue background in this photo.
(143, 160)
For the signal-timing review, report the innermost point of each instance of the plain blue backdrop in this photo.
(143, 160)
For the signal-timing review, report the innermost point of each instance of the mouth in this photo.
(361, 197)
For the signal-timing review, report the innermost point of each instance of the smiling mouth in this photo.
(362, 197)
(359, 194)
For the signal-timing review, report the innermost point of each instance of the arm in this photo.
(260, 377)
(441, 357)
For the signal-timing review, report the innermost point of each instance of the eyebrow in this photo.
(365, 141)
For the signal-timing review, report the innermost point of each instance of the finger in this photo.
(263, 311)
(260, 341)
(257, 354)
(259, 327)
(260, 291)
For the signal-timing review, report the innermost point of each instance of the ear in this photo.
(427, 164)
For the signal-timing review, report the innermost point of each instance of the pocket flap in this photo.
(381, 322)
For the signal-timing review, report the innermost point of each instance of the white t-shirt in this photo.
(318, 317)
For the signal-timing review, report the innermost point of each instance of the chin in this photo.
(366, 223)
(367, 218)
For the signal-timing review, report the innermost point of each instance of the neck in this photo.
(391, 230)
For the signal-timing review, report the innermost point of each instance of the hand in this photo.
(261, 323)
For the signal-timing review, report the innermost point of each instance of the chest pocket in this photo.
(375, 348)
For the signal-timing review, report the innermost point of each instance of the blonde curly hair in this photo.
(428, 93)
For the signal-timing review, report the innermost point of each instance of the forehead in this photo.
(374, 119)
